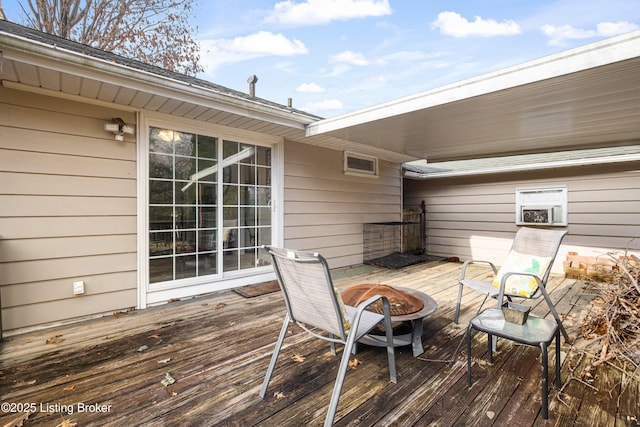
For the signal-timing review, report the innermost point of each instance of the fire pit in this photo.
(408, 309)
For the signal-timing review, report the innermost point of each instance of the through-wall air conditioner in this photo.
(542, 206)
(537, 215)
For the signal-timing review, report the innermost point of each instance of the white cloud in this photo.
(319, 12)
(349, 57)
(454, 24)
(560, 35)
(411, 56)
(379, 79)
(329, 104)
(610, 29)
(216, 52)
(338, 70)
(310, 88)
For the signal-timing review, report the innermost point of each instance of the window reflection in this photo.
(190, 176)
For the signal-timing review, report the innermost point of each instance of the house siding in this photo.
(474, 217)
(67, 211)
(324, 209)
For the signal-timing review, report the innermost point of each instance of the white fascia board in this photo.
(526, 167)
(582, 58)
(62, 60)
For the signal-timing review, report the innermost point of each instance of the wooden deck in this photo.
(217, 348)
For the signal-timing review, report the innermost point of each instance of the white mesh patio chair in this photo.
(524, 273)
(314, 305)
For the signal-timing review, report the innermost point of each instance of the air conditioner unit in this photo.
(546, 206)
(537, 214)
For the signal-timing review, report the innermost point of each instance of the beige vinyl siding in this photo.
(67, 211)
(324, 209)
(474, 217)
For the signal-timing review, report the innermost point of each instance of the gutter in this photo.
(524, 167)
(596, 54)
(68, 61)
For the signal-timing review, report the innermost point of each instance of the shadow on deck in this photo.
(217, 348)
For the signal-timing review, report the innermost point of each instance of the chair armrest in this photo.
(503, 283)
(474, 261)
(386, 307)
(366, 303)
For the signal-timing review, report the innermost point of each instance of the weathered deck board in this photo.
(607, 384)
(628, 413)
(217, 347)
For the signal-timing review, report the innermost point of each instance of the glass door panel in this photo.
(190, 177)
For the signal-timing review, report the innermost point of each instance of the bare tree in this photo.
(156, 32)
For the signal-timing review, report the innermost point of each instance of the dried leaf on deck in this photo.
(219, 306)
(491, 414)
(353, 363)
(167, 380)
(56, 339)
(18, 421)
(142, 348)
(297, 358)
(156, 336)
(69, 388)
(165, 361)
(278, 395)
(67, 423)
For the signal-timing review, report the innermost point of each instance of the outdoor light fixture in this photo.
(119, 128)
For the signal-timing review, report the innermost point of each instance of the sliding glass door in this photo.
(209, 205)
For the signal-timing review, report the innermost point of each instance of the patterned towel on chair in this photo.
(524, 286)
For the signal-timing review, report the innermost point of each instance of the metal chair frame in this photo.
(528, 240)
(312, 304)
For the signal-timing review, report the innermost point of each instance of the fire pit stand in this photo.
(411, 322)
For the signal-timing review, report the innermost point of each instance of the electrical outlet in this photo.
(78, 287)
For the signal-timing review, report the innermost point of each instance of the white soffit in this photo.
(578, 98)
(33, 62)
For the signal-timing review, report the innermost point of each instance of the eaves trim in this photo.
(523, 168)
(197, 91)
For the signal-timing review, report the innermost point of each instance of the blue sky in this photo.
(337, 56)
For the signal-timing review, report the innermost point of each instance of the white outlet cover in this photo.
(78, 287)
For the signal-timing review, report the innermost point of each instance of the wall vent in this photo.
(360, 164)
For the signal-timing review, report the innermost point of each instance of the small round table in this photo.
(414, 320)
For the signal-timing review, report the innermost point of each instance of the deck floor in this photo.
(217, 347)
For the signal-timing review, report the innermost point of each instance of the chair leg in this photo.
(337, 387)
(274, 356)
(390, 350)
(469, 329)
(455, 319)
(556, 316)
(332, 345)
(558, 379)
(545, 382)
(491, 340)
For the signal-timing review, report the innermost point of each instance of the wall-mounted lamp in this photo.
(119, 128)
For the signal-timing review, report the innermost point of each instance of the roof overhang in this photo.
(421, 169)
(36, 62)
(582, 98)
